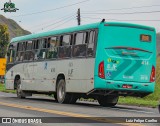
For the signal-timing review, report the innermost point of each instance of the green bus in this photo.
(103, 61)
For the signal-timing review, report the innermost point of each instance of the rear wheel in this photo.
(73, 99)
(108, 101)
(20, 92)
(62, 96)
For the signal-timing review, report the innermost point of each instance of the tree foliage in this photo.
(4, 40)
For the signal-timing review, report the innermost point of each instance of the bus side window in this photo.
(45, 46)
(91, 43)
(65, 48)
(20, 51)
(42, 49)
(35, 49)
(48, 42)
(79, 49)
(29, 55)
(52, 50)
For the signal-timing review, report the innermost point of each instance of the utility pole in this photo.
(79, 17)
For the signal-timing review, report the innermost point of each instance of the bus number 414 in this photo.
(145, 62)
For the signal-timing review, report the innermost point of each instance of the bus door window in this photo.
(79, 49)
(52, 50)
(65, 48)
(91, 43)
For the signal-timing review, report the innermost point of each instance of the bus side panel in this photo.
(38, 77)
(78, 74)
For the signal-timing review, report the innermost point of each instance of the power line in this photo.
(39, 12)
(118, 19)
(59, 21)
(124, 8)
(54, 23)
(51, 21)
(140, 12)
(61, 24)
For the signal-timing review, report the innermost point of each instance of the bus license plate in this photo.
(126, 86)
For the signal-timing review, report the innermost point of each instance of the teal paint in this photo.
(129, 69)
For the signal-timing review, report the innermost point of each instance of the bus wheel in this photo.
(108, 101)
(20, 93)
(62, 96)
(73, 99)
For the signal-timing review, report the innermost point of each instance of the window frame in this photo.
(27, 45)
(71, 34)
(21, 51)
(57, 39)
(84, 42)
(94, 41)
(72, 43)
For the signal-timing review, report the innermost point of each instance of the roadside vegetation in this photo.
(2, 89)
(151, 100)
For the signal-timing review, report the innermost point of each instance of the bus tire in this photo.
(19, 91)
(62, 96)
(108, 101)
(73, 99)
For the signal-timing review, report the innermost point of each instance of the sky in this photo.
(44, 15)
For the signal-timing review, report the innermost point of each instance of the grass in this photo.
(2, 89)
(138, 102)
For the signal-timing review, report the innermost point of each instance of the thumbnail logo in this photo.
(6, 120)
(9, 7)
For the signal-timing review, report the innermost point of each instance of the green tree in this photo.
(4, 40)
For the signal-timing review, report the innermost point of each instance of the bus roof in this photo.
(77, 28)
(54, 32)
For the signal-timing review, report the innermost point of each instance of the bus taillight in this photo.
(152, 77)
(101, 73)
